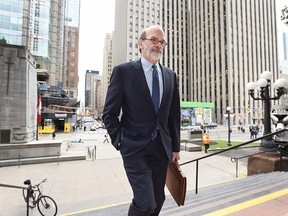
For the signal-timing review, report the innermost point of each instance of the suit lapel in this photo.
(140, 79)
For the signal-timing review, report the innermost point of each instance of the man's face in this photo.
(152, 47)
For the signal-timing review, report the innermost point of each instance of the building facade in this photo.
(15, 22)
(92, 82)
(215, 47)
(107, 69)
(70, 75)
(39, 26)
(231, 45)
(18, 95)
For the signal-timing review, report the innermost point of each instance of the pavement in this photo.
(80, 186)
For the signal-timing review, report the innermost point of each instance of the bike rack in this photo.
(19, 187)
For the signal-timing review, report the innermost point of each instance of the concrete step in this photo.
(190, 147)
(228, 194)
(25, 161)
(212, 198)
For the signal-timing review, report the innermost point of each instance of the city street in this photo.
(78, 186)
(221, 133)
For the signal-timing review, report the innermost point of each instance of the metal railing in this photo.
(229, 149)
(22, 188)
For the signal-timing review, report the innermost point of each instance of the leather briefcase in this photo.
(176, 183)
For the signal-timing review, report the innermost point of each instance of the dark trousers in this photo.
(146, 171)
(206, 147)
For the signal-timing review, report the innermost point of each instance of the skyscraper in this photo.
(71, 48)
(33, 23)
(215, 47)
(14, 22)
(91, 85)
(231, 45)
(107, 68)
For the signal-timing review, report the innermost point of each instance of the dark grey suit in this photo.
(131, 134)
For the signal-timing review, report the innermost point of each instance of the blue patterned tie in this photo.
(155, 96)
(155, 89)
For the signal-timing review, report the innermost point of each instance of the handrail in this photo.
(23, 188)
(236, 159)
(225, 150)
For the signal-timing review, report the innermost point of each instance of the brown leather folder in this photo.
(176, 183)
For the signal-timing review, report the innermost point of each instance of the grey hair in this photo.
(143, 35)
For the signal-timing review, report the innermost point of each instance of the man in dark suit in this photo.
(147, 132)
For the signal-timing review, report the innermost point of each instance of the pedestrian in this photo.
(255, 132)
(148, 132)
(242, 129)
(53, 135)
(251, 132)
(206, 141)
(84, 127)
(106, 138)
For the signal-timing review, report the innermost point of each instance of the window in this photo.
(5, 22)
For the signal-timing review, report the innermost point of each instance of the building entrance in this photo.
(59, 124)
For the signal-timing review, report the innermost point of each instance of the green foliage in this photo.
(221, 144)
(286, 90)
(3, 41)
(284, 15)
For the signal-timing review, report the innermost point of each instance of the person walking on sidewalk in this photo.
(148, 131)
(206, 141)
(106, 138)
(53, 135)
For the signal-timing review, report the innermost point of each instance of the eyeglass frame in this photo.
(155, 40)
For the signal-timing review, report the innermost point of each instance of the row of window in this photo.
(12, 23)
(14, 6)
(12, 39)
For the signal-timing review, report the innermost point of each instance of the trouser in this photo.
(146, 171)
(206, 147)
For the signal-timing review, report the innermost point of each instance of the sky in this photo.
(96, 19)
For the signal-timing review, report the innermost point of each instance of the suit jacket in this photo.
(128, 92)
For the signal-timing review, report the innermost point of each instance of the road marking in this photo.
(249, 203)
(94, 209)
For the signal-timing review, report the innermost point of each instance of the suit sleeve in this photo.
(112, 107)
(174, 117)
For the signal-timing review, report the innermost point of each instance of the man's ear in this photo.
(140, 44)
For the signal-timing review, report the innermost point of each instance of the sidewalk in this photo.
(82, 185)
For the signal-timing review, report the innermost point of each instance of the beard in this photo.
(152, 54)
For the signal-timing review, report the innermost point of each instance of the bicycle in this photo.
(45, 204)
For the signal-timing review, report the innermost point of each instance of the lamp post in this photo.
(265, 87)
(229, 131)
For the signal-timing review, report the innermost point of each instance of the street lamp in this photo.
(229, 131)
(265, 86)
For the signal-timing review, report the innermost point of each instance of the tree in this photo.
(3, 41)
(284, 15)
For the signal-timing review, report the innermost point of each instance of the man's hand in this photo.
(175, 156)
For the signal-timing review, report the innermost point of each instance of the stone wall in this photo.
(18, 95)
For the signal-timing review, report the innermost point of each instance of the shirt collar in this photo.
(147, 65)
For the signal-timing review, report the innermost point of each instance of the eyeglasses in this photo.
(156, 41)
